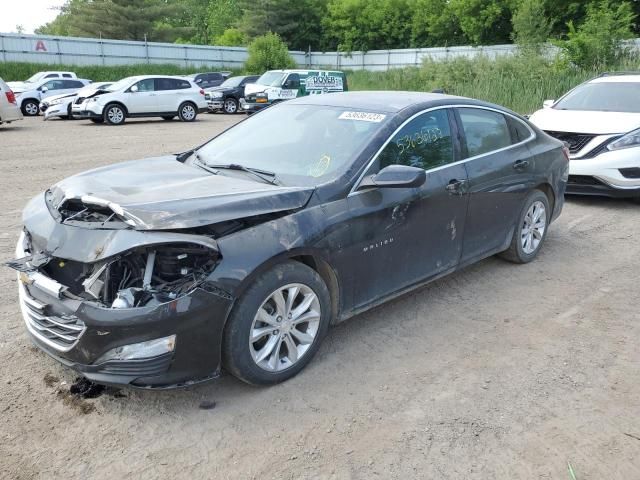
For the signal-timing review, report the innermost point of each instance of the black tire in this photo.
(114, 114)
(237, 356)
(230, 106)
(516, 252)
(187, 112)
(30, 108)
(97, 120)
(168, 117)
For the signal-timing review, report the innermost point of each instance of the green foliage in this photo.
(268, 52)
(599, 39)
(221, 15)
(232, 37)
(16, 71)
(484, 22)
(520, 82)
(531, 28)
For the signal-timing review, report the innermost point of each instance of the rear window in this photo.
(519, 131)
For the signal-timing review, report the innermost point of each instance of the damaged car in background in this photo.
(239, 254)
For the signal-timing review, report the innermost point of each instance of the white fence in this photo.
(92, 51)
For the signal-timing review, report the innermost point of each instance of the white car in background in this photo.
(61, 105)
(144, 96)
(9, 110)
(29, 98)
(37, 77)
(600, 120)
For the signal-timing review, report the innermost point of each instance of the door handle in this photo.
(518, 164)
(456, 187)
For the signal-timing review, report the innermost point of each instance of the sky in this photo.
(29, 13)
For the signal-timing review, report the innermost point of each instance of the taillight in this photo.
(201, 92)
(11, 97)
(565, 151)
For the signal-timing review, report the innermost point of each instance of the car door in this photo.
(142, 99)
(70, 86)
(50, 88)
(402, 236)
(499, 169)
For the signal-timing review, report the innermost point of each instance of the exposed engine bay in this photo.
(140, 277)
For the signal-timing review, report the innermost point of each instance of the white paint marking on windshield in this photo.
(363, 116)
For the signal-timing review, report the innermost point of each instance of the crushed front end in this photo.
(118, 305)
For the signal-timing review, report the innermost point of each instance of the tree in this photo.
(598, 41)
(433, 23)
(484, 22)
(232, 37)
(531, 28)
(366, 25)
(268, 52)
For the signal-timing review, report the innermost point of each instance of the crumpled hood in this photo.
(163, 193)
(250, 88)
(576, 121)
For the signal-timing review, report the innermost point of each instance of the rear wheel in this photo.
(277, 325)
(531, 229)
(114, 115)
(187, 112)
(30, 108)
(230, 105)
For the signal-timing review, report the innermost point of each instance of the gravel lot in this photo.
(499, 371)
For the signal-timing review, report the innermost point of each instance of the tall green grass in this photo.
(15, 71)
(520, 82)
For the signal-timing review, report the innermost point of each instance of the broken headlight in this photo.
(148, 349)
(141, 277)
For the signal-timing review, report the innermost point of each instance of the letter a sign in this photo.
(40, 46)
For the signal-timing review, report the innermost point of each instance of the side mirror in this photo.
(134, 89)
(44, 89)
(548, 103)
(395, 176)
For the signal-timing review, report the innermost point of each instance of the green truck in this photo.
(279, 85)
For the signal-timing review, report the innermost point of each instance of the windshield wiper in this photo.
(264, 175)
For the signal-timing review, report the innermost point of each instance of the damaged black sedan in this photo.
(241, 253)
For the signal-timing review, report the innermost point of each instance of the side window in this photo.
(182, 84)
(166, 84)
(66, 75)
(484, 130)
(293, 81)
(425, 142)
(54, 85)
(72, 84)
(146, 85)
(519, 131)
(52, 75)
(214, 77)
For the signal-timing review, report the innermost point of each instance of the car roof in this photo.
(387, 101)
(613, 78)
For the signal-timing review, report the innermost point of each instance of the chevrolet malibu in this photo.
(239, 254)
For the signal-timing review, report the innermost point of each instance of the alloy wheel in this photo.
(31, 109)
(285, 327)
(115, 114)
(230, 106)
(188, 112)
(533, 227)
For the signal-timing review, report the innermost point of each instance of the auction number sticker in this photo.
(363, 116)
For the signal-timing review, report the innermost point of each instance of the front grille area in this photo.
(584, 180)
(59, 332)
(576, 141)
(633, 172)
(143, 367)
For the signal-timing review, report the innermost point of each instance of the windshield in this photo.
(34, 78)
(303, 144)
(271, 79)
(120, 84)
(603, 97)
(232, 82)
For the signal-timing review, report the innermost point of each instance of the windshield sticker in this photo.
(363, 116)
(321, 167)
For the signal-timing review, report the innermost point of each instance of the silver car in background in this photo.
(9, 110)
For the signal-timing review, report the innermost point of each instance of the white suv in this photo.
(143, 96)
(32, 94)
(600, 120)
(9, 110)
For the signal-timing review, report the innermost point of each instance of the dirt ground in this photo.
(496, 372)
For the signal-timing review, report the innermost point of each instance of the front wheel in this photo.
(30, 108)
(531, 229)
(114, 115)
(277, 325)
(230, 105)
(187, 112)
